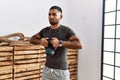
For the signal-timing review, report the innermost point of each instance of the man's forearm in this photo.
(34, 40)
(72, 45)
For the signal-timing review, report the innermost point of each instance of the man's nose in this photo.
(50, 16)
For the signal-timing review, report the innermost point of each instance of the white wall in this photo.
(83, 16)
(87, 21)
(26, 16)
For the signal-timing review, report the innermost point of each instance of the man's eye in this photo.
(54, 14)
(49, 14)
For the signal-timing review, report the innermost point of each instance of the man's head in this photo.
(57, 8)
(55, 15)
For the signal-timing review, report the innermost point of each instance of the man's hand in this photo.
(44, 42)
(55, 42)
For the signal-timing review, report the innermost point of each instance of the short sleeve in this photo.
(70, 33)
(44, 32)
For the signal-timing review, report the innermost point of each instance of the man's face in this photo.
(54, 16)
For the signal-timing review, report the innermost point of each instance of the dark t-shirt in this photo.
(59, 59)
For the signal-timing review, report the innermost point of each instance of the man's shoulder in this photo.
(65, 27)
(46, 28)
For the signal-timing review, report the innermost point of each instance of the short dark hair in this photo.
(56, 7)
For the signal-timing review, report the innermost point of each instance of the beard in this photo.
(53, 22)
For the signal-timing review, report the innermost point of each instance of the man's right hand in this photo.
(44, 42)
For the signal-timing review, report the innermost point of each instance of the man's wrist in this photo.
(60, 43)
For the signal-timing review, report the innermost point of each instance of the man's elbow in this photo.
(32, 41)
(80, 46)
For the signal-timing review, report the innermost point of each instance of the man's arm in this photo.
(73, 43)
(36, 39)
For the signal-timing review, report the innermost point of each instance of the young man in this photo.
(56, 39)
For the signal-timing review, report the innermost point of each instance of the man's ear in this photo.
(61, 16)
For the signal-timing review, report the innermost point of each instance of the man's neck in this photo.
(55, 26)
